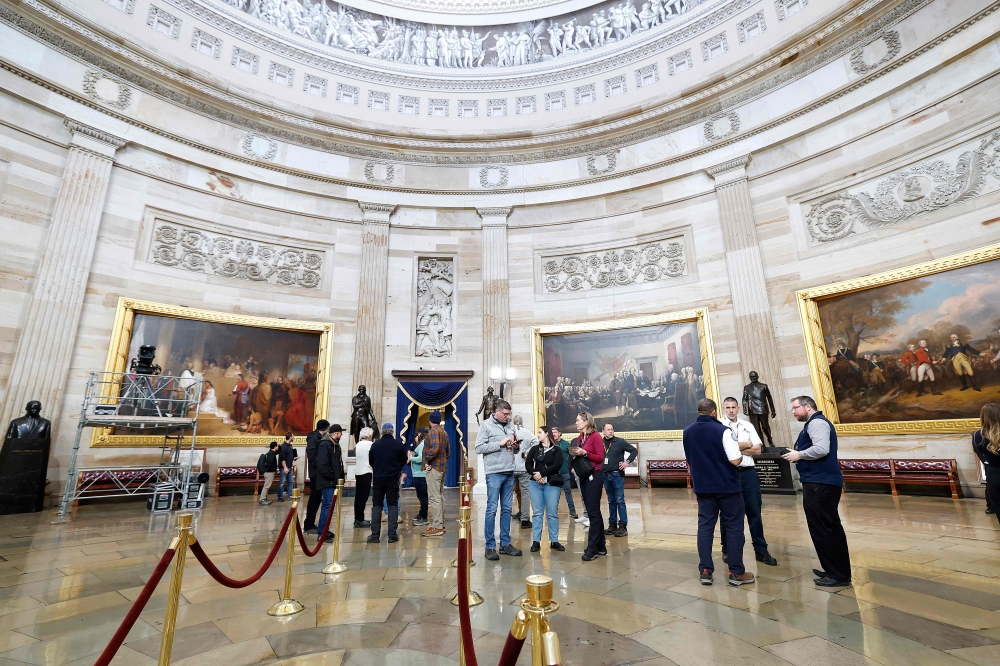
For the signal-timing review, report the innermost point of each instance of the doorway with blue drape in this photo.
(452, 400)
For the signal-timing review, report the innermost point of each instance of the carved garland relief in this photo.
(105, 89)
(619, 267)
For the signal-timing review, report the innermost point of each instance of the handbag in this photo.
(581, 465)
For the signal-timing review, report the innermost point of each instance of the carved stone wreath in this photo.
(905, 194)
(614, 268)
(893, 44)
(248, 146)
(92, 80)
(240, 259)
(734, 126)
(612, 157)
(390, 173)
(484, 177)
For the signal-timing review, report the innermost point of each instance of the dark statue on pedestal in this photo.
(362, 415)
(23, 462)
(488, 405)
(757, 403)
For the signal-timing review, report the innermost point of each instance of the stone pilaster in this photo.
(496, 291)
(45, 347)
(755, 338)
(369, 346)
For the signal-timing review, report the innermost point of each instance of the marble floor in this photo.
(926, 590)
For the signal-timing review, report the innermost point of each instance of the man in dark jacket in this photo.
(387, 457)
(617, 455)
(328, 472)
(286, 466)
(312, 446)
(270, 467)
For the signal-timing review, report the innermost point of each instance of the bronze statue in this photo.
(757, 403)
(24, 461)
(362, 415)
(488, 405)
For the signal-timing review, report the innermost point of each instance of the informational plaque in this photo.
(23, 463)
(775, 474)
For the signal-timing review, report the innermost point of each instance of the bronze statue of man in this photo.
(488, 405)
(24, 460)
(362, 415)
(757, 403)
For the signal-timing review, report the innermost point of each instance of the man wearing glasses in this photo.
(495, 442)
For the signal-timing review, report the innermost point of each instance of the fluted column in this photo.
(45, 348)
(496, 291)
(369, 346)
(755, 338)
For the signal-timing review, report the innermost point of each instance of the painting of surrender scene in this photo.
(641, 379)
(918, 349)
(256, 381)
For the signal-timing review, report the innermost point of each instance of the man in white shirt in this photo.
(362, 477)
(750, 445)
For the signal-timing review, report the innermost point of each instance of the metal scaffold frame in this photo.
(152, 404)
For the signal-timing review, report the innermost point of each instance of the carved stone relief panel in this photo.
(722, 126)
(435, 307)
(104, 89)
(207, 252)
(616, 267)
(885, 46)
(958, 174)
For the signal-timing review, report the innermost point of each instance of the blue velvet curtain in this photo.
(452, 399)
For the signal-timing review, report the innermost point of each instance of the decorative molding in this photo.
(252, 146)
(503, 211)
(200, 37)
(435, 307)
(644, 72)
(786, 8)
(405, 100)
(734, 126)
(615, 86)
(378, 96)
(525, 105)
(245, 56)
(369, 207)
(312, 83)
(438, 104)
(741, 162)
(893, 46)
(555, 96)
(97, 84)
(617, 267)
(611, 162)
(675, 61)
(348, 94)
(372, 177)
(585, 94)
(960, 174)
(747, 25)
(124, 6)
(708, 47)
(276, 71)
(229, 256)
(157, 17)
(485, 180)
(496, 108)
(76, 127)
(468, 105)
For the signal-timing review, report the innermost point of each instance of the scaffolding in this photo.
(151, 404)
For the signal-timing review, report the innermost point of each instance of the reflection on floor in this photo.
(926, 591)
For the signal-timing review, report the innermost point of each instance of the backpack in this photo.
(261, 463)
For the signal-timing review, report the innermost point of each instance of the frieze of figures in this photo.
(394, 40)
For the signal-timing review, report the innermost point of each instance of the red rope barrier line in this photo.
(464, 621)
(302, 537)
(511, 650)
(220, 577)
(133, 613)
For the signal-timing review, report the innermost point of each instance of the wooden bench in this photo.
(895, 472)
(667, 470)
(874, 470)
(242, 477)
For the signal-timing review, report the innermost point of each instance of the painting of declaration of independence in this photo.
(638, 379)
(256, 381)
(921, 349)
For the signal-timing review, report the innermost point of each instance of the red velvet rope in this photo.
(464, 621)
(511, 651)
(220, 577)
(133, 612)
(320, 533)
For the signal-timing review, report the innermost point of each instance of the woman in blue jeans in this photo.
(544, 463)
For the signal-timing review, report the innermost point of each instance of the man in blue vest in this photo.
(815, 456)
(713, 454)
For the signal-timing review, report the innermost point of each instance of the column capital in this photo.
(93, 139)
(729, 171)
(494, 217)
(376, 212)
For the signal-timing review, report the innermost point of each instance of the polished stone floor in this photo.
(926, 591)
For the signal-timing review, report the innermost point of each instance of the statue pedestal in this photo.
(23, 463)
(775, 474)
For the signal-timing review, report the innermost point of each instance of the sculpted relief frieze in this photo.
(617, 267)
(959, 174)
(229, 256)
(454, 47)
(435, 307)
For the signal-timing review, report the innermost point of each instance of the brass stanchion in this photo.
(464, 520)
(287, 605)
(465, 493)
(538, 604)
(179, 544)
(337, 566)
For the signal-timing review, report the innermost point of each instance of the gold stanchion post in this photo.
(287, 605)
(337, 566)
(463, 494)
(538, 604)
(464, 520)
(179, 545)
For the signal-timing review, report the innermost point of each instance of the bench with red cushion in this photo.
(867, 470)
(927, 472)
(667, 470)
(242, 477)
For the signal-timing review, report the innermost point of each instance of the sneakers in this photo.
(574, 517)
(433, 532)
(555, 545)
(418, 521)
(372, 538)
(743, 579)
(535, 546)
(265, 502)
(509, 550)
(359, 524)
(588, 557)
(491, 554)
(525, 524)
(393, 538)
(603, 550)
(281, 499)
(515, 516)
(311, 530)
(612, 527)
(586, 521)
(330, 538)
(765, 557)
(706, 577)
(579, 519)
(621, 531)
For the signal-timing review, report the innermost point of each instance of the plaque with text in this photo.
(775, 474)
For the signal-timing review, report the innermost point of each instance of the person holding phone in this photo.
(495, 442)
(588, 452)
(543, 464)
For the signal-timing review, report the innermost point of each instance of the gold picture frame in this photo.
(117, 361)
(816, 352)
(700, 316)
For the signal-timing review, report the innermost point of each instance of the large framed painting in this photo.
(643, 375)
(907, 351)
(261, 377)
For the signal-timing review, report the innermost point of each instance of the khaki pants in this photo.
(962, 365)
(268, 480)
(435, 499)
